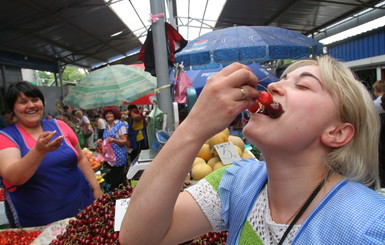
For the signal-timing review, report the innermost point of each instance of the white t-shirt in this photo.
(377, 104)
(102, 123)
(259, 217)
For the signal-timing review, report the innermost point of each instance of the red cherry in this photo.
(265, 98)
(274, 110)
(254, 108)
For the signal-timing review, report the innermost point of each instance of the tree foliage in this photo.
(70, 74)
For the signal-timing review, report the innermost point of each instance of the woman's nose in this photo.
(276, 88)
(30, 103)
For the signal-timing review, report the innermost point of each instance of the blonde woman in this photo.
(314, 187)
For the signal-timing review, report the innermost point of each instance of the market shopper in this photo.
(101, 125)
(116, 134)
(137, 133)
(45, 173)
(322, 148)
(85, 128)
(6, 119)
(378, 91)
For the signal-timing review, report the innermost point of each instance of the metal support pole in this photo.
(378, 73)
(161, 62)
(171, 5)
(61, 82)
(5, 82)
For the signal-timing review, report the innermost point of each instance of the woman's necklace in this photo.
(299, 212)
(294, 214)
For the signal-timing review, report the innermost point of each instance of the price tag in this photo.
(227, 152)
(121, 206)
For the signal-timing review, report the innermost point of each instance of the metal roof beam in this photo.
(81, 30)
(53, 43)
(280, 12)
(356, 21)
(343, 17)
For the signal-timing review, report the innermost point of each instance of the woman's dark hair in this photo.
(130, 107)
(114, 110)
(16, 88)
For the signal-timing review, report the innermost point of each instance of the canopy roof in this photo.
(80, 32)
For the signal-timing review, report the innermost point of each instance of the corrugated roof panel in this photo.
(368, 44)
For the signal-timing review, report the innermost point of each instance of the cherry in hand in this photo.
(255, 108)
(269, 107)
(265, 98)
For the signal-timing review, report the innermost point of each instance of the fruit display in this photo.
(1, 195)
(95, 223)
(267, 106)
(18, 236)
(211, 238)
(207, 159)
(93, 159)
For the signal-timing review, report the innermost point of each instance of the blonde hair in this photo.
(357, 160)
(78, 113)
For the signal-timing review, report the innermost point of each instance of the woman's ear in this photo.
(338, 135)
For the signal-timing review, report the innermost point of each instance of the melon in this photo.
(200, 170)
(237, 141)
(218, 165)
(198, 160)
(219, 138)
(213, 161)
(226, 131)
(205, 152)
(239, 151)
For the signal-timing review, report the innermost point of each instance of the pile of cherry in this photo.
(1, 195)
(18, 237)
(211, 238)
(94, 225)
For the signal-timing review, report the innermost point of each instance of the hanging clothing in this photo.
(173, 40)
(155, 123)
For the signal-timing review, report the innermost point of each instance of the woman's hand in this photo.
(44, 144)
(99, 142)
(224, 96)
(110, 140)
(98, 193)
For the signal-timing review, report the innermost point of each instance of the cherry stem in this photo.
(262, 86)
(264, 78)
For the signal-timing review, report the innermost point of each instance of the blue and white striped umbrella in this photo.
(111, 85)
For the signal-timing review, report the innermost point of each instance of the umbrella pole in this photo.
(161, 62)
